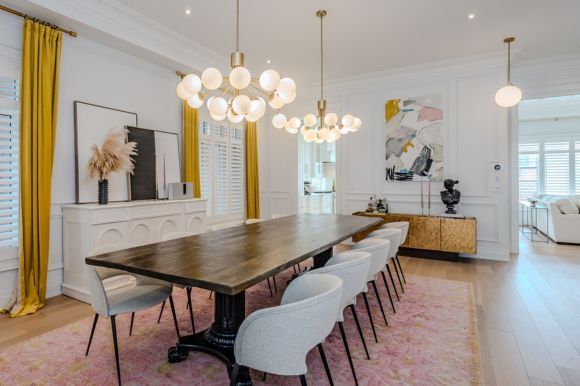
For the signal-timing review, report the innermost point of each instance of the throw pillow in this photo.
(567, 206)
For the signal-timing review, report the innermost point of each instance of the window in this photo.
(9, 158)
(529, 169)
(577, 165)
(221, 149)
(557, 167)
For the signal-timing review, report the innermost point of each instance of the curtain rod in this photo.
(25, 16)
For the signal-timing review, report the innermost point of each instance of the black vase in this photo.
(103, 193)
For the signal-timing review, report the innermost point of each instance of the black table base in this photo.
(219, 339)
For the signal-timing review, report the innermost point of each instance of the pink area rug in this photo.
(432, 340)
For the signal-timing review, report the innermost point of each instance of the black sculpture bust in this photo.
(450, 197)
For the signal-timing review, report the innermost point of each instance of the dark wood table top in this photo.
(230, 260)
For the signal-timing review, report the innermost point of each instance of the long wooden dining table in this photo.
(231, 260)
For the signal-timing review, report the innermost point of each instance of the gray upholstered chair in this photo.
(276, 340)
(379, 250)
(353, 269)
(145, 293)
(404, 227)
(394, 236)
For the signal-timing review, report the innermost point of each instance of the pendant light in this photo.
(509, 95)
(323, 126)
(244, 103)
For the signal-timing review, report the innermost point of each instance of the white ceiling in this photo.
(371, 35)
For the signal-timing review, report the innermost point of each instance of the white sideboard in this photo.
(87, 226)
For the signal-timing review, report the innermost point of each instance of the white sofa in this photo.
(562, 223)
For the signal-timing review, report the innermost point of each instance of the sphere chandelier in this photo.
(242, 105)
(324, 126)
(509, 95)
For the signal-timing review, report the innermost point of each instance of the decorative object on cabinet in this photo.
(88, 226)
(114, 156)
(414, 143)
(180, 191)
(432, 237)
(92, 122)
(450, 197)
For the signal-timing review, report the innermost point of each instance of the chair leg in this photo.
(325, 363)
(362, 337)
(294, 268)
(210, 294)
(270, 288)
(389, 292)
(397, 272)
(92, 333)
(370, 316)
(234, 374)
(400, 267)
(345, 342)
(393, 282)
(161, 312)
(303, 380)
(190, 307)
(380, 302)
(264, 376)
(114, 328)
(275, 286)
(174, 316)
(131, 326)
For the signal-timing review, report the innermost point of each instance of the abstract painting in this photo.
(414, 139)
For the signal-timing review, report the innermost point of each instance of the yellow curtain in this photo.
(191, 148)
(252, 177)
(41, 48)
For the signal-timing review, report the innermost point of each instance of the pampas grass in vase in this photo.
(114, 156)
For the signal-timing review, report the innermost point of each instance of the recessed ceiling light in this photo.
(188, 11)
(268, 61)
(471, 16)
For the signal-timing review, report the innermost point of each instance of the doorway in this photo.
(318, 166)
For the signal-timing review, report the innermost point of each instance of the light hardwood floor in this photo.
(528, 313)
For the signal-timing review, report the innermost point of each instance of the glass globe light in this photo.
(290, 99)
(279, 121)
(191, 84)
(275, 102)
(242, 104)
(217, 117)
(286, 88)
(324, 133)
(196, 101)
(290, 129)
(294, 123)
(310, 120)
(345, 130)
(218, 106)
(269, 80)
(257, 110)
(508, 96)
(211, 78)
(233, 117)
(318, 140)
(310, 135)
(240, 78)
(303, 129)
(252, 117)
(335, 134)
(330, 119)
(182, 93)
(356, 125)
(347, 120)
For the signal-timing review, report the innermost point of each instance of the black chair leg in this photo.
(380, 302)
(275, 285)
(303, 380)
(174, 316)
(401, 268)
(92, 333)
(370, 316)
(210, 294)
(270, 287)
(398, 277)
(294, 268)
(114, 328)
(264, 376)
(341, 327)
(161, 312)
(362, 337)
(234, 374)
(393, 282)
(131, 326)
(389, 292)
(190, 307)
(325, 363)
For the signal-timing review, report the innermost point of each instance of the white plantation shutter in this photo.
(236, 171)
(577, 166)
(205, 163)
(9, 159)
(557, 167)
(529, 169)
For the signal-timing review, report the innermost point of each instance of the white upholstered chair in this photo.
(404, 227)
(353, 269)
(145, 293)
(394, 236)
(276, 340)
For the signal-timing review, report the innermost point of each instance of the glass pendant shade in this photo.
(218, 106)
(181, 93)
(211, 78)
(196, 101)
(279, 121)
(275, 102)
(310, 120)
(233, 117)
(242, 104)
(508, 96)
(269, 80)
